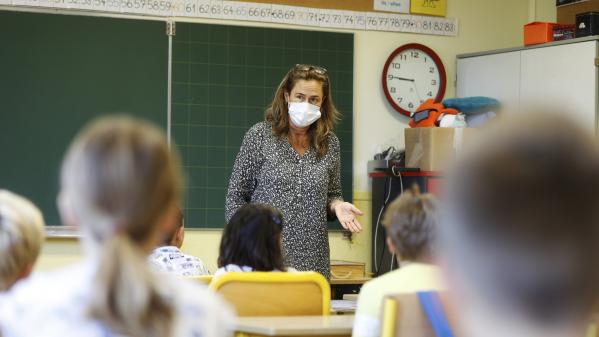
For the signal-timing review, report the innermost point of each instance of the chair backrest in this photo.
(275, 293)
(593, 327)
(403, 315)
(206, 279)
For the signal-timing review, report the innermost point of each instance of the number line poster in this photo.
(246, 11)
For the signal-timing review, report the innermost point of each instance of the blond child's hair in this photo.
(120, 181)
(21, 237)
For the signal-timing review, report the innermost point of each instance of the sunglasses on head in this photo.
(309, 67)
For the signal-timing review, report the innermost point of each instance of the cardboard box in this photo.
(538, 32)
(566, 14)
(429, 7)
(434, 149)
(347, 269)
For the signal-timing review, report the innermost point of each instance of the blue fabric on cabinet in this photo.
(472, 105)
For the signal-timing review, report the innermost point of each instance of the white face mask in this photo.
(303, 113)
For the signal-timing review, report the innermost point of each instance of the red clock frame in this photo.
(436, 59)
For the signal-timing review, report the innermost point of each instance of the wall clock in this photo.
(412, 74)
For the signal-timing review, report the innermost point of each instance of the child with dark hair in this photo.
(169, 258)
(251, 241)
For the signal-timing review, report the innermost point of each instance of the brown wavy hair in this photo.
(277, 113)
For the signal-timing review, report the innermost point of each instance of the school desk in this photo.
(296, 326)
(342, 286)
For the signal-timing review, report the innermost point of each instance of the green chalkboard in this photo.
(223, 79)
(59, 71)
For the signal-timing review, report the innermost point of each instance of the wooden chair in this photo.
(275, 293)
(205, 279)
(593, 327)
(403, 315)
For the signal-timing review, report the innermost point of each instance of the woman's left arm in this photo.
(346, 213)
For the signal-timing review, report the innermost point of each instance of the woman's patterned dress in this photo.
(268, 170)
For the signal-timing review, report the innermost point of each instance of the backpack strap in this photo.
(431, 303)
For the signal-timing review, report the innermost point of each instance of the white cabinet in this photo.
(492, 75)
(560, 76)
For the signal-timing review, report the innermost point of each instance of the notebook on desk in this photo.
(343, 306)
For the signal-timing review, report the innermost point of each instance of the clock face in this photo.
(413, 73)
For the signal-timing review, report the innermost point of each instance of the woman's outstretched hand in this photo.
(347, 213)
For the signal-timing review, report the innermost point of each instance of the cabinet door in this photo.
(495, 75)
(563, 79)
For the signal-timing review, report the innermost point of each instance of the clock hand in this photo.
(416, 89)
(402, 78)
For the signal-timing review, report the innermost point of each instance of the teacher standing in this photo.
(292, 162)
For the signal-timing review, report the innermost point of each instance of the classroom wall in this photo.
(545, 11)
(483, 25)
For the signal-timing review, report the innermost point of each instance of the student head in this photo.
(520, 230)
(176, 236)
(410, 221)
(121, 184)
(253, 238)
(21, 237)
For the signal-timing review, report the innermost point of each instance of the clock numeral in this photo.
(392, 90)
(399, 99)
(411, 105)
(389, 77)
(429, 94)
(415, 54)
(396, 65)
(434, 82)
(425, 59)
(431, 70)
(403, 57)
